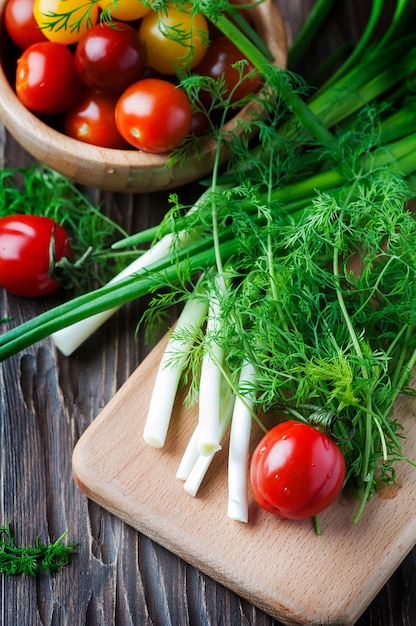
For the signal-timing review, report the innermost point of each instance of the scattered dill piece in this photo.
(33, 560)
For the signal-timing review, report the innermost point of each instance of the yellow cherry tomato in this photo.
(65, 21)
(174, 39)
(125, 10)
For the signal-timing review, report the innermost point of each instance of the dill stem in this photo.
(406, 371)
(269, 234)
(364, 499)
(357, 347)
(409, 331)
(270, 257)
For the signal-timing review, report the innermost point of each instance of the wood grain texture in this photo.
(119, 576)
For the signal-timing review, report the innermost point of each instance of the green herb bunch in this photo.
(33, 560)
(326, 316)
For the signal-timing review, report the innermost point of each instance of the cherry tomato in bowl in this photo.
(20, 23)
(220, 62)
(91, 119)
(296, 471)
(29, 245)
(46, 79)
(174, 38)
(153, 115)
(110, 57)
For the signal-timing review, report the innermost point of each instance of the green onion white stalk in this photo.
(202, 462)
(68, 339)
(209, 435)
(189, 457)
(238, 455)
(170, 371)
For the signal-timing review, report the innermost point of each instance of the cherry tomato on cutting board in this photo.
(46, 79)
(91, 119)
(109, 58)
(153, 115)
(29, 244)
(296, 471)
(20, 23)
(52, 17)
(174, 39)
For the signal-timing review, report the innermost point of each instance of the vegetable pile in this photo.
(105, 72)
(296, 269)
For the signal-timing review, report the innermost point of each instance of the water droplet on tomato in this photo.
(286, 491)
(284, 436)
(325, 441)
(329, 475)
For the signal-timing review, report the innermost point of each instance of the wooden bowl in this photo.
(118, 170)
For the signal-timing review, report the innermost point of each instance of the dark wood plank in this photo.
(118, 577)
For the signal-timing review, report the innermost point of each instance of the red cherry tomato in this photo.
(218, 61)
(46, 79)
(26, 245)
(200, 124)
(91, 119)
(153, 115)
(109, 58)
(20, 23)
(296, 471)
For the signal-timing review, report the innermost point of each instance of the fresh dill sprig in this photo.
(33, 560)
(54, 21)
(328, 335)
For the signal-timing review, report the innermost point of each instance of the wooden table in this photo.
(118, 577)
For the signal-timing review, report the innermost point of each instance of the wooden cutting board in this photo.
(281, 566)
